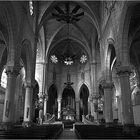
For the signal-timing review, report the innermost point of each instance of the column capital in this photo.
(13, 70)
(123, 70)
(59, 99)
(106, 84)
(93, 97)
(28, 85)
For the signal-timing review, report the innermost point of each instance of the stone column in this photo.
(28, 105)
(119, 109)
(8, 112)
(45, 103)
(108, 93)
(41, 105)
(77, 109)
(94, 104)
(59, 108)
(127, 112)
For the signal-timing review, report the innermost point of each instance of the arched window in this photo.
(4, 79)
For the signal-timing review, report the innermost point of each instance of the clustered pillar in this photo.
(45, 104)
(77, 109)
(93, 105)
(28, 105)
(8, 115)
(59, 108)
(127, 112)
(108, 86)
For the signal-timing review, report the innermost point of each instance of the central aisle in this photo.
(68, 134)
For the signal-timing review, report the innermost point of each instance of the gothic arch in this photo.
(52, 99)
(68, 97)
(110, 60)
(81, 84)
(84, 94)
(26, 56)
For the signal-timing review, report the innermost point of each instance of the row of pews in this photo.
(50, 131)
(88, 131)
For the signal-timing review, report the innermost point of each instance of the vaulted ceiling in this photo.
(83, 32)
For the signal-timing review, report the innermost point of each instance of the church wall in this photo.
(18, 110)
(75, 76)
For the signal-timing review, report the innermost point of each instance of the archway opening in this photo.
(68, 103)
(52, 100)
(84, 94)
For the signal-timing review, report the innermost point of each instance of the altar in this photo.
(68, 113)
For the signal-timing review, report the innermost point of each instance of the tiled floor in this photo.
(68, 134)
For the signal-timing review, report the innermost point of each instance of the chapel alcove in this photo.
(68, 103)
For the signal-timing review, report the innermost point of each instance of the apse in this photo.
(68, 103)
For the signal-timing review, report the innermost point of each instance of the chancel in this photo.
(70, 69)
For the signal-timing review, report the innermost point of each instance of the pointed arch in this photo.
(26, 56)
(84, 94)
(68, 97)
(110, 60)
(52, 99)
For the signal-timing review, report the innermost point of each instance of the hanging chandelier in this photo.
(67, 14)
(68, 61)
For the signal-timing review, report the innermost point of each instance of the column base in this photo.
(6, 125)
(27, 124)
(130, 130)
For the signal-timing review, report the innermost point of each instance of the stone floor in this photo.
(68, 134)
